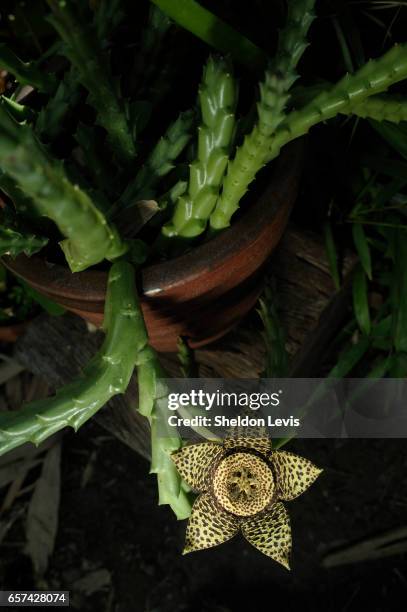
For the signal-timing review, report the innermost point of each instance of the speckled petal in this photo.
(293, 474)
(270, 533)
(208, 525)
(194, 461)
(255, 438)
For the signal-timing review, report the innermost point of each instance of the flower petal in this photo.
(270, 533)
(208, 525)
(254, 438)
(194, 461)
(294, 474)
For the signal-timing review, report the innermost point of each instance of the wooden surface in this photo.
(57, 348)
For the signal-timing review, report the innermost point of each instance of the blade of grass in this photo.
(399, 366)
(212, 30)
(399, 292)
(362, 247)
(389, 167)
(395, 135)
(332, 255)
(350, 358)
(360, 300)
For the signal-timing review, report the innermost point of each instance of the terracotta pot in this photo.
(200, 295)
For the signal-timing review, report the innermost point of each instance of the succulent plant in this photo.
(83, 165)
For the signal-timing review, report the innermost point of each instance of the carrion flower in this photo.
(242, 484)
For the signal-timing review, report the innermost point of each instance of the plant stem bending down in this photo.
(89, 239)
(106, 375)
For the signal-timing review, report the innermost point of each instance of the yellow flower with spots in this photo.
(241, 485)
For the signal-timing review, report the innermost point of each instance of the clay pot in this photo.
(200, 295)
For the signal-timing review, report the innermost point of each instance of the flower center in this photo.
(243, 484)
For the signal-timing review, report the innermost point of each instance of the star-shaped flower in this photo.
(241, 485)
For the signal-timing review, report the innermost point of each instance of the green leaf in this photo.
(399, 366)
(360, 300)
(212, 30)
(389, 167)
(350, 358)
(276, 362)
(362, 247)
(398, 292)
(332, 255)
(46, 303)
(381, 334)
(395, 135)
(186, 359)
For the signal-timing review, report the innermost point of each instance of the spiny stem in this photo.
(107, 16)
(352, 90)
(382, 108)
(52, 117)
(97, 164)
(251, 155)
(281, 73)
(19, 112)
(89, 239)
(160, 161)
(26, 73)
(106, 375)
(218, 96)
(153, 404)
(13, 242)
(152, 37)
(83, 50)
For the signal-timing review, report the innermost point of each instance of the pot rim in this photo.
(163, 277)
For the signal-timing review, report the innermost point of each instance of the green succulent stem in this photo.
(106, 375)
(281, 73)
(279, 77)
(89, 239)
(160, 161)
(218, 97)
(146, 60)
(18, 111)
(107, 16)
(352, 91)
(20, 201)
(13, 242)
(153, 405)
(382, 108)
(52, 117)
(26, 73)
(83, 49)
